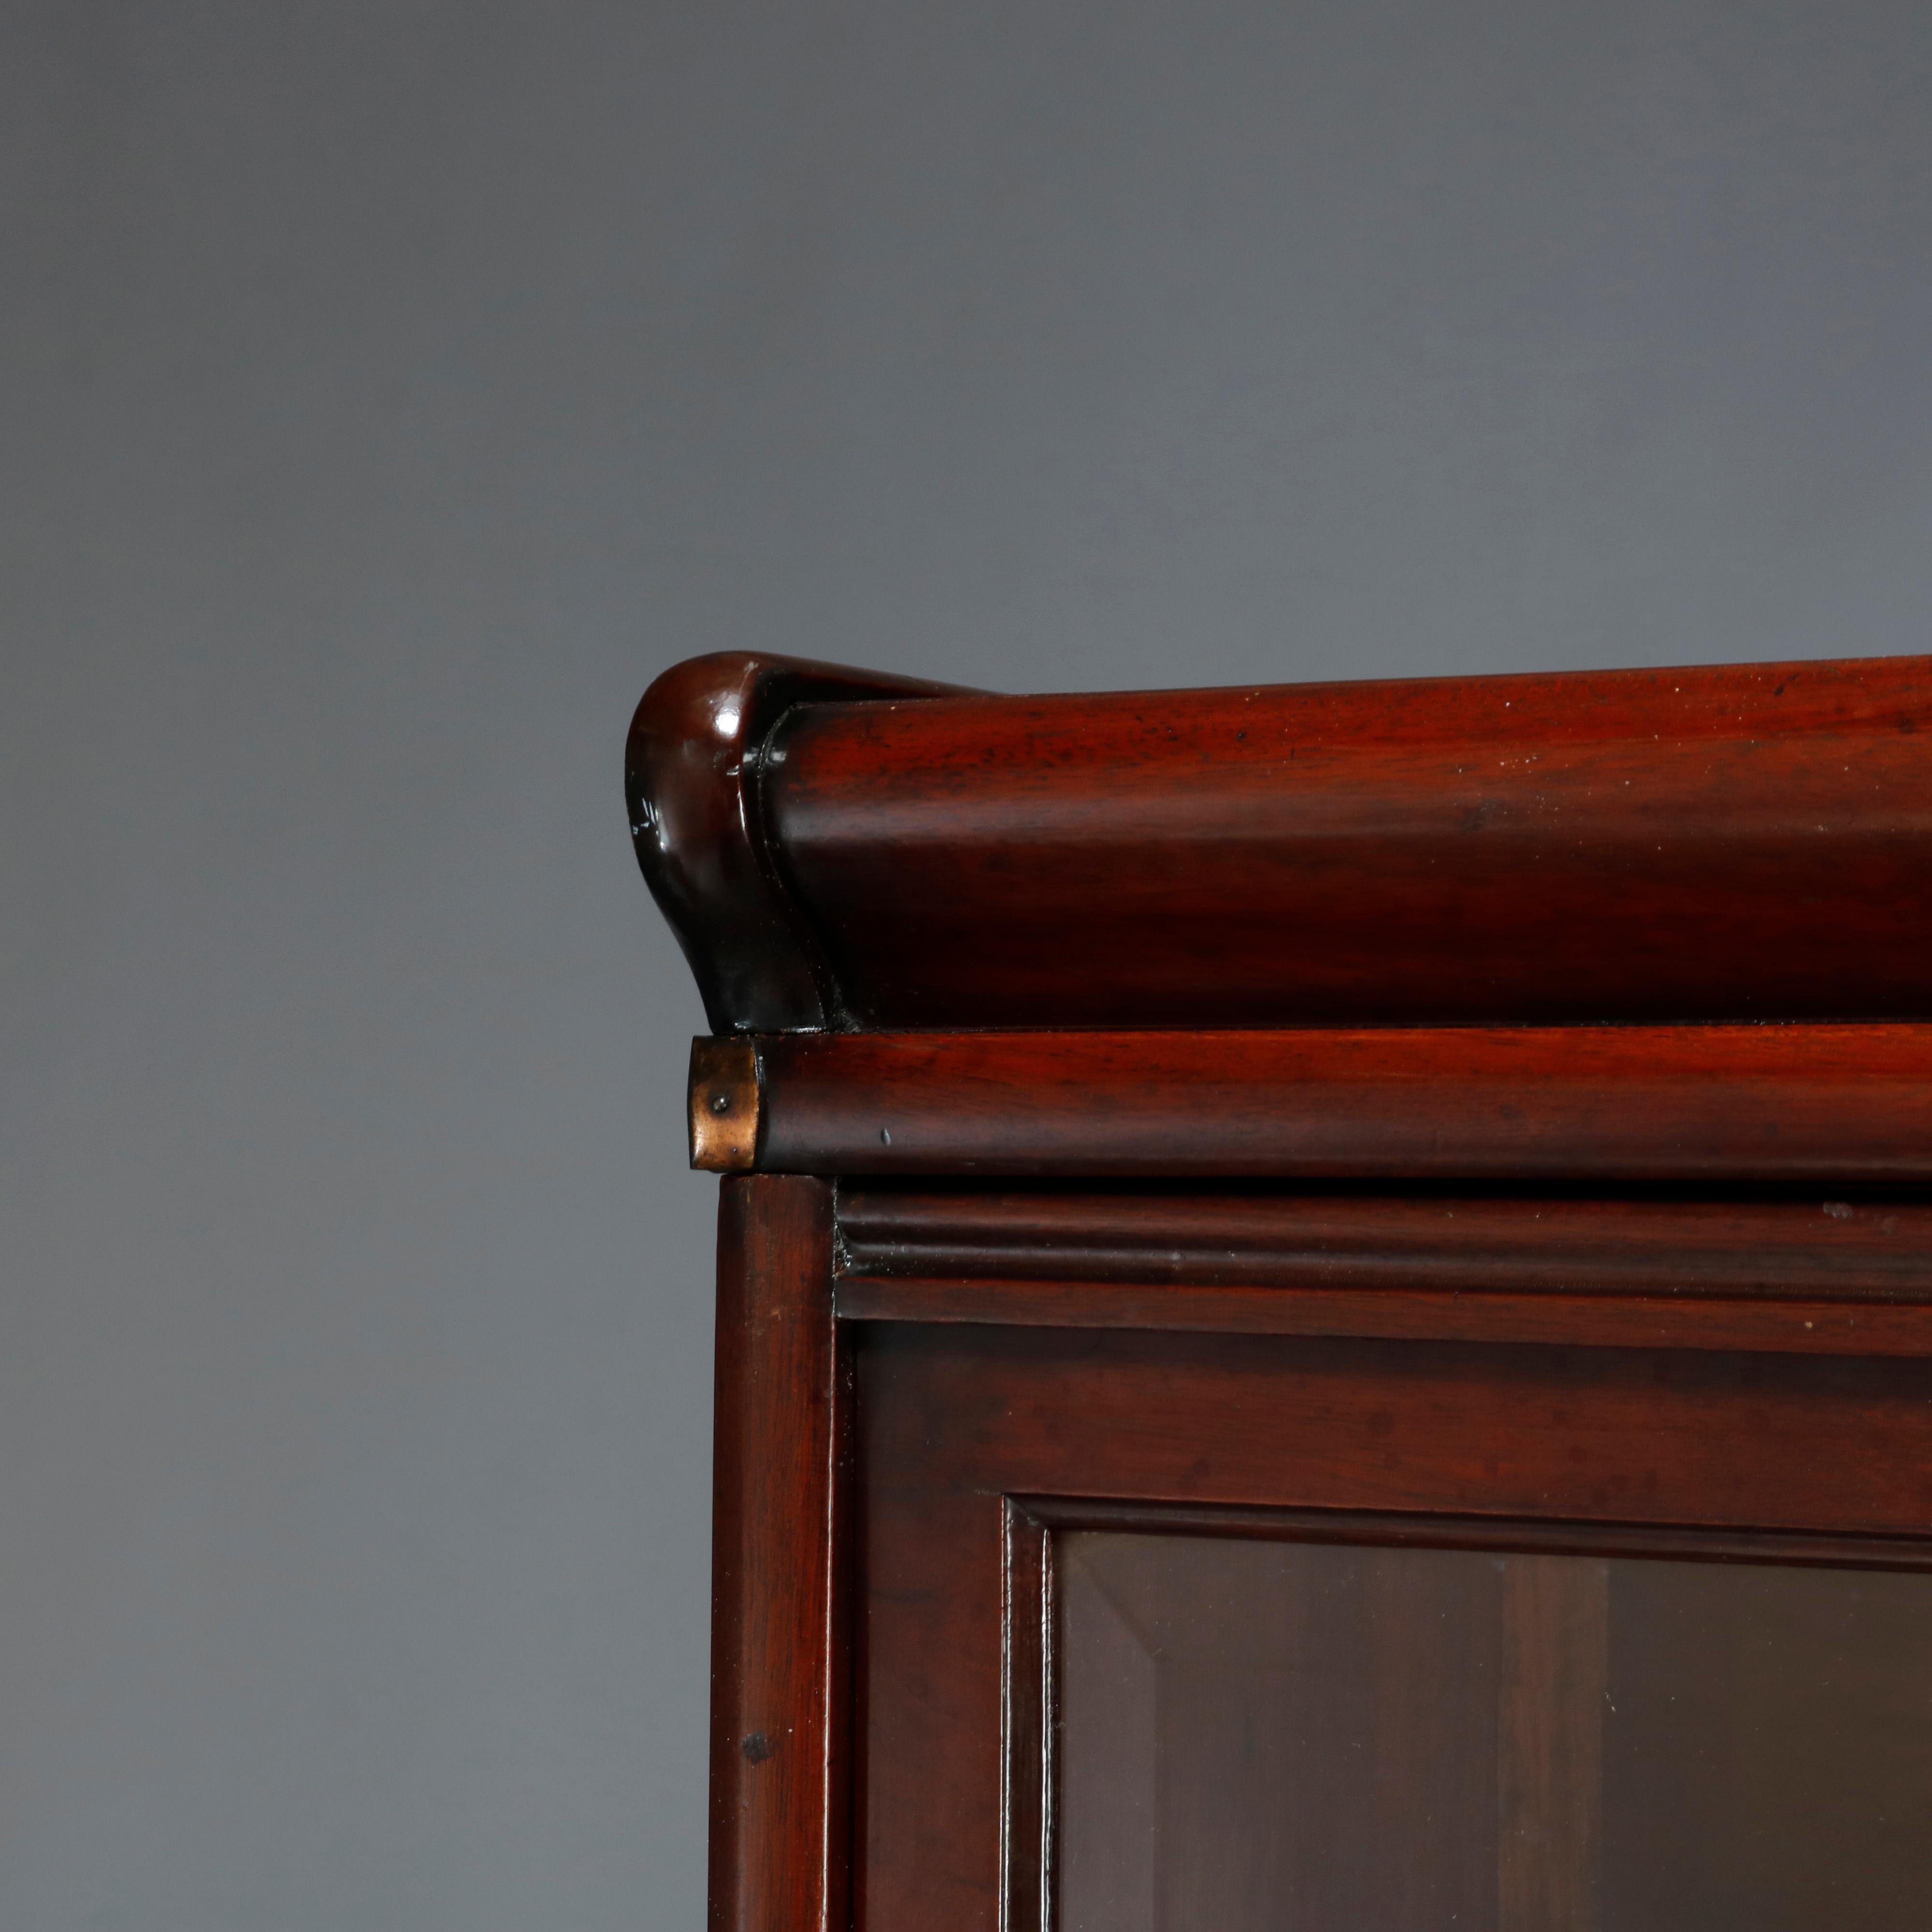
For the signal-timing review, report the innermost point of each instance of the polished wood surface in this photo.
(693, 763)
(1807, 1104)
(1737, 842)
(780, 1644)
(1603, 1321)
(1734, 842)
(1817, 1276)
(1489, 1115)
(1805, 1250)
(1613, 1451)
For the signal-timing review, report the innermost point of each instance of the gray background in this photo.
(386, 392)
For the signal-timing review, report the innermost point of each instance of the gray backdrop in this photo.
(386, 392)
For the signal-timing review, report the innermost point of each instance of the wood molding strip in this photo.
(1609, 1320)
(1824, 1105)
(1448, 1529)
(1026, 1725)
(1807, 1250)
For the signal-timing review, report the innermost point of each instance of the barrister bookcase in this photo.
(1325, 1296)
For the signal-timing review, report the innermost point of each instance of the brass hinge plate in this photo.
(724, 1108)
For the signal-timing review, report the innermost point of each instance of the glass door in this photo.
(1322, 1736)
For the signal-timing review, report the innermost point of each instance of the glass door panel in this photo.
(1323, 1737)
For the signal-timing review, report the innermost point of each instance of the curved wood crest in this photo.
(1731, 842)
(692, 771)
(1727, 843)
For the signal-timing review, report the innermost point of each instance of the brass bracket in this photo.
(725, 1092)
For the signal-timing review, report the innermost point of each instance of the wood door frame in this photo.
(780, 1852)
(794, 1708)
(977, 1445)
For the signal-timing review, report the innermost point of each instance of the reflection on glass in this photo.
(1324, 1737)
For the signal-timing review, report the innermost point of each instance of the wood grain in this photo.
(1813, 1249)
(1734, 842)
(1835, 1105)
(1549, 1736)
(1597, 1008)
(1806, 1460)
(1817, 1276)
(1600, 1322)
(780, 1636)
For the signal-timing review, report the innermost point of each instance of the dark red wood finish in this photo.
(781, 1701)
(693, 766)
(1812, 1249)
(1605, 1321)
(1513, 940)
(1819, 1277)
(1833, 1104)
(1613, 1450)
(1740, 842)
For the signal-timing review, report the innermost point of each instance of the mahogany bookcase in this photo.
(1324, 1296)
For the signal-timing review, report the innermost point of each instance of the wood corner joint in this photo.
(726, 1095)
